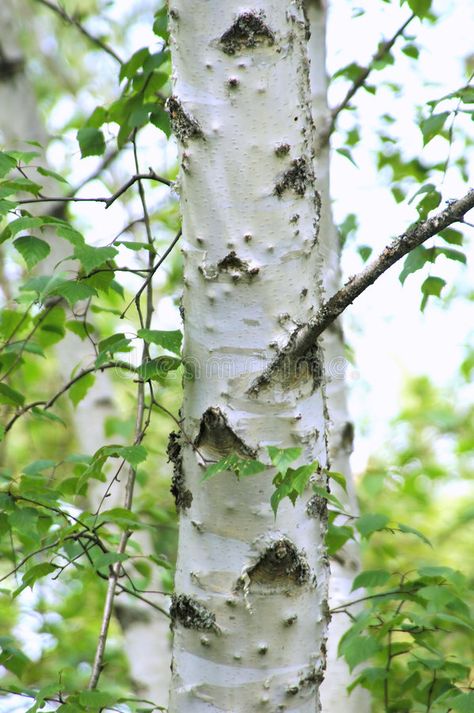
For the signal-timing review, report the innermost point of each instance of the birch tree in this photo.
(250, 610)
(263, 429)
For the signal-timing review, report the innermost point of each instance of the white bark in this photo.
(250, 610)
(345, 565)
(146, 632)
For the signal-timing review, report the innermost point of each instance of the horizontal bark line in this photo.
(304, 338)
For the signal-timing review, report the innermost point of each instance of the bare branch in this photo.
(304, 337)
(47, 404)
(73, 21)
(150, 276)
(151, 176)
(384, 48)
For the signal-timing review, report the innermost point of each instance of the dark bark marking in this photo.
(296, 178)
(290, 370)
(184, 125)
(247, 32)
(280, 564)
(347, 437)
(9, 68)
(237, 267)
(317, 507)
(182, 496)
(188, 612)
(217, 438)
(282, 150)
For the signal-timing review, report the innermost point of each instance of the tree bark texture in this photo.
(250, 610)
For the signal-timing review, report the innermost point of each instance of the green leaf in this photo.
(463, 703)
(78, 390)
(415, 260)
(454, 237)
(358, 649)
(51, 174)
(432, 126)
(32, 249)
(130, 68)
(7, 162)
(431, 286)
(120, 516)
(412, 531)
(37, 572)
(169, 340)
(240, 466)
(282, 457)
(323, 493)
(133, 454)
(371, 522)
(225, 464)
(158, 368)
(160, 24)
(365, 252)
(105, 559)
(436, 571)
(411, 51)
(339, 478)
(91, 257)
(451, 254)
(347, 154)
(12, 658)
(8, 188)
(109, 346)
(160, 118)
(73, 291)
(38, 466)
(371, 578)
(91, 141)
(10, 396)
(96, 699)
(420, 7)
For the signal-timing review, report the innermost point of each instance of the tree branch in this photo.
(47, 404)
(72, 21)
(304, 337)
(383, 49)
(151, 175)
(152, 272)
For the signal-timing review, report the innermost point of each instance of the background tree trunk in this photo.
(250, 609)
(345, 564)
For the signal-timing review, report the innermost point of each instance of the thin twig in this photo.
(151, 176)
(359, 82)
(140, 429)
(342, 607)
(47, 404)
(150, 276)
(305, 337)
(73, 21)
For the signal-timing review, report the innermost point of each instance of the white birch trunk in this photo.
(250, 609)
(146, 632)
(345, 564)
